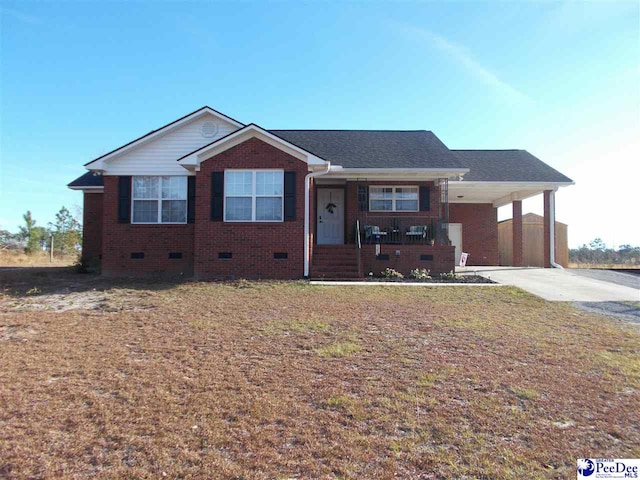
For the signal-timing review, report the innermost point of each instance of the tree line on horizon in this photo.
(597, 252)
(65, 232)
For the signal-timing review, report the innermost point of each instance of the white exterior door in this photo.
(330, 216)
(455, 235)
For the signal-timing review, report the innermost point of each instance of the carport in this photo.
(503, 177)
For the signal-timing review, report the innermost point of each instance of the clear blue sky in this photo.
(561, 80)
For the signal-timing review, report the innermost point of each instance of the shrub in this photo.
(450, 276)
(391, 273)
(81, 265)
(420, 274)
(242, 283)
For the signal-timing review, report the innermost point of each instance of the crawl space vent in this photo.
(209, 129)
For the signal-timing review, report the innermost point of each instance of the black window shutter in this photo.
(191, 199)
(217, 196)
(425, 199)
(289, 196)
(363, 198)
(124, 199)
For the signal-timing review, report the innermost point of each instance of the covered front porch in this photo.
(363, 226)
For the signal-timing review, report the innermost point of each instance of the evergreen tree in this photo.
(31, 234)
(66, 232)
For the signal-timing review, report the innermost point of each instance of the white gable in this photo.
(158, 155)
(242, 135)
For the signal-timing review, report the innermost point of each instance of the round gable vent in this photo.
(209, 129)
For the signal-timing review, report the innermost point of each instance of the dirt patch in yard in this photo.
(61, 289)
(288, 380)
(88, 300)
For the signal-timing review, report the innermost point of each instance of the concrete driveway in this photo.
(558, 285)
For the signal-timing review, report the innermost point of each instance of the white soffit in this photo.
(496, 193)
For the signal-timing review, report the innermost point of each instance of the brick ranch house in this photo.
(209, 197)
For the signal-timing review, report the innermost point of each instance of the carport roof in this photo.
(507, 166)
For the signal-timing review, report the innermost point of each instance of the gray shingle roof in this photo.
(89, 179)
(374, 148)
(507, 166)
(405, 149)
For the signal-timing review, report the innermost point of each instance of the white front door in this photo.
(455, 235)
(330, 216)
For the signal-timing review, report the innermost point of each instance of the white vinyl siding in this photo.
(159, 199)
(253, 196)
(393, 199)
(159, 156)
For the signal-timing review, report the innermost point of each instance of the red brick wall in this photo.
(479, 231)
(92, 229)
(516, 235)
(409, 258)
(547, 229)
(119, 240)
(252, 244)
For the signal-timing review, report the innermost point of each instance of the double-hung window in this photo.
(253, 195)
(393, 199)
(159, 199)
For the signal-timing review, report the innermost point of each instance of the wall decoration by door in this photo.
(330, 207)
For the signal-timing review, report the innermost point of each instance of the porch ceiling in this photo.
(496, 193)
(392, 174)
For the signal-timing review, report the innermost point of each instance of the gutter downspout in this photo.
(552, 230)
(307, 178)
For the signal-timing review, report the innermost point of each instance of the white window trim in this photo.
(393, 198)
(253, 195)
(159, 200)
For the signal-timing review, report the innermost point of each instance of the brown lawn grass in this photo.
(287, 380)
(13, 258)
